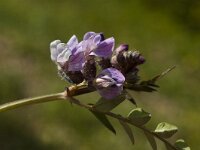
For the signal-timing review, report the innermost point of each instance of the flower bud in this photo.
(109, 83)
(121, 48)
(125, 61)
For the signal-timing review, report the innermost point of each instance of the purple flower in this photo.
(68, 56)
(94, 44)
(109, 83)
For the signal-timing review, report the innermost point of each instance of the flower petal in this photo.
(88, 35)
(97, 39)
(64, 56)
(53, 49)
(105, 48)
(76, 62)
(114, 74)
(109, 83)
(111, 92)
(73, 41)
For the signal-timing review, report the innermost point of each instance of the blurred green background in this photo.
(167, 33)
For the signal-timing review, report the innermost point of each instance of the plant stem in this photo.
(30, 101)
(73, 90)
(119, 117)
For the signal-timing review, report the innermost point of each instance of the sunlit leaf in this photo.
(106, 105)
(165, 130)
(181, 145)
(139, 116)
(128, 131)
(104, 120)
(151, 140)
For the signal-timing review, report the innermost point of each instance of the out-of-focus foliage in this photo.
(167, 33)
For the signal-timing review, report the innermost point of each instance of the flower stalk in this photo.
(70, 91)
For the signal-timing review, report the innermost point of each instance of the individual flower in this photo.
(95, 44)
(69, 58)
(109, 83)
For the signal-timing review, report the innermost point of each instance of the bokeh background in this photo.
(167, 33)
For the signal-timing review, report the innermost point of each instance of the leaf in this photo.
(165, 130)
(130, 98)
(139, 116)
(106, 105)
(140, 87)
(162, 74)
(104, 120)
(151, 140)
(128, 131)
(181, 145)
(148, 85)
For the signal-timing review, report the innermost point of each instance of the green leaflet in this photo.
(104, 120)
(128, 131)
(181, 145)
(139, 117)
(165, 130)
(151, 140)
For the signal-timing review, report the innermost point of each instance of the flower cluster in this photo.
(79, 61)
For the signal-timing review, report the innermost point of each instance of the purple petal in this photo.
(88, 35)
(97, 39)
(105, 48)
(114, 74)
(109, 83)
(111, 92)
(53, 49)
(76, 62)
(73, 41)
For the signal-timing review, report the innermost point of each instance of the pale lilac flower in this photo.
(109, 83)
(95, 44)
(68, 55)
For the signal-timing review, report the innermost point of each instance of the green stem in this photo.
(29, 101)
(119, 117)
(73, 90)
